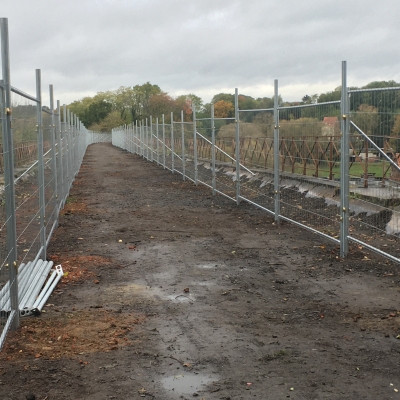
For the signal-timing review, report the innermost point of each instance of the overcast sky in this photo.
(201, 46)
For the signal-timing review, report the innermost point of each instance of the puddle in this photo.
(183, 298)
(185, 384)
(207, 266)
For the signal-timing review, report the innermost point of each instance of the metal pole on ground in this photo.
(195, 145)
(183, 146)
(344, 166)
(277, 204)
(9, 191)
(42, 200)
(213, 150)
(237, 138)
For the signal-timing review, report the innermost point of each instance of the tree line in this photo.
(374, 111)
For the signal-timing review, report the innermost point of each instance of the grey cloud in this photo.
(88, 46)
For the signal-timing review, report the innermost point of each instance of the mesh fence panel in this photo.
(50, 177)
(374, 181)
(299, 178)
(27, 182)
(308, 189)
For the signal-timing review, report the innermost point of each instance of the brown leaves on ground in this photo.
(387, 322)
(78, 268)
(74, 207)
(70, 334)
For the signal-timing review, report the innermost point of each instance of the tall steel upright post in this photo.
(195, 145)
(9, 190)
(131, 135)
(213, 182)
(276, 154)
(73, 146)
(65, 153)
(172, 143)
(147, 139)
(163, 138)
(136, 138)
(151, 139)
(183, 147)
(53, 157)
(66, 149)
(59, 157)
(69, 140)
(237, 138)
(157, 145)
(344, 166)
(42, 199)
(141, 138)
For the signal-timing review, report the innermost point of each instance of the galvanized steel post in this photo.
(344, 166)
(142, 136)
(237, 139)
(42, 200)
(183, 146)
(172, 143)
(151, 139)
(59, 157)
(157, 144)
(276, 154)
(65, 146)
(213, 183)
(147, 140)
(136, 138)
(9, 191)
(163, 137)
(53, 156)
(195, 145)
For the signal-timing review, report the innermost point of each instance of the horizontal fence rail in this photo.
(332, 168)
(41, 150)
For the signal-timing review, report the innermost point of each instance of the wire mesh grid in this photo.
(302, 182)
(64, 149)
(50, 177)
(374, 178)
(27, 182)
(58, 156)
(309, 165)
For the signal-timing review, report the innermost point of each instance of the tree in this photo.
(160, 104)
(96, 112)
(223, 109)
(112, 120)
(330, 96)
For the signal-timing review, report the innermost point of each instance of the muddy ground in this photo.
(169, 293)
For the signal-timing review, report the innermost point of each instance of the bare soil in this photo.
(171, 293)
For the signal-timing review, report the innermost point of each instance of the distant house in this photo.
(330, 126)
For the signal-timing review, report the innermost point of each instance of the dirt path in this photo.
(170, 293)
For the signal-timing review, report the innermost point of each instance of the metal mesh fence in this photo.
(27, 206)
(39, 158)
(308, 189)
(290, 162)
(374, 178)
